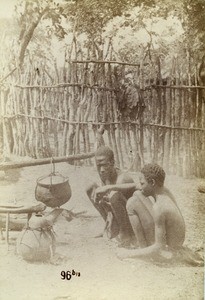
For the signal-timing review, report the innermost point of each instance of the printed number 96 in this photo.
(65, 275)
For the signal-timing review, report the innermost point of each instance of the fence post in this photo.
(4, 138)
(1, 126)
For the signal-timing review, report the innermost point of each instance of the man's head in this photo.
(152, 179)
(104, 158)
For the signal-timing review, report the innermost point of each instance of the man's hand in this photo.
(100, 192)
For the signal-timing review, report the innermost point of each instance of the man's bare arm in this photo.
(117, 187)
(124, 183)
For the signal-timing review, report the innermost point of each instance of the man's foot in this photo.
(126, 240)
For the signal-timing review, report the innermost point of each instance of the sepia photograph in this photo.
(102, 149)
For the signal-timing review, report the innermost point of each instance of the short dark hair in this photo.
(106, 151)
(154, 171)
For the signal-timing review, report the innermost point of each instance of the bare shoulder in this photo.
(124, 178)
(164, 199)
(164, 206)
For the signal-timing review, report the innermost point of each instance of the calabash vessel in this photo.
(37, 241)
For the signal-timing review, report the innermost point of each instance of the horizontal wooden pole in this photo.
(68, 122)
(24, 209)
(61, 85)
(14, 224)
(104, 88)
(44, 161)
(106, 123)
(177, 86)
(106, 62)
(174, 127)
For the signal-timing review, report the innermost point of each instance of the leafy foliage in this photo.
(92, 15)
(100, 20)
(195, 23)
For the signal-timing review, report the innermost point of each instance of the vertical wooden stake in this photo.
(7, 230)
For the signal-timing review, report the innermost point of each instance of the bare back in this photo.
(169, 221)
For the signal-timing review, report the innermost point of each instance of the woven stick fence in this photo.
(91, 101)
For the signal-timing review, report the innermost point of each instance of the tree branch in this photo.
(28, 36)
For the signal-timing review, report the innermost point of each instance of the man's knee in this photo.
(138, 194)
(130, 206)
(116, 197)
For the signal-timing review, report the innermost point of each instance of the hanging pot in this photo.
(53, 190)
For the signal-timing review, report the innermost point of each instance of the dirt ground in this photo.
(103, 275)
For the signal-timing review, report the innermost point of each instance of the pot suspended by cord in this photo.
(53, 190)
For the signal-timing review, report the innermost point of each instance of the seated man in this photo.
(110, 198)
(165, 229)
